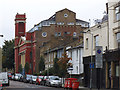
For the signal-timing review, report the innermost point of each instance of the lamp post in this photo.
(1, 35)
(91, 61)
(1, 57)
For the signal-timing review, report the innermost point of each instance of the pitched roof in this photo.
(65, 9)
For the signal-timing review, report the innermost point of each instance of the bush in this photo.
(20, 68)
(27, 67)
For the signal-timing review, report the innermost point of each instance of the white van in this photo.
(4, 78)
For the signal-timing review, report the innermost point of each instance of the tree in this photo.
(41, 64)
(56, 66)
(8, 54)
(20, 68)
(27, 67)
(63, 65)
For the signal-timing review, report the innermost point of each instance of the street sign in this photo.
(92, 65)
(99, 57)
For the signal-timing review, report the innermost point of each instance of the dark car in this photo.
(39, 79)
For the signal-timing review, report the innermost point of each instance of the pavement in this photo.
(84, 88)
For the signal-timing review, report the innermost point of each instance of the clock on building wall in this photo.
(65, 15)
(44, 34)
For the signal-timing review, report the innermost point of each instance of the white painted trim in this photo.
(20, 21)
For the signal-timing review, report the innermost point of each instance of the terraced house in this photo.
(107, 35)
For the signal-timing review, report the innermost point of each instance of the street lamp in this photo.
(91, 62)
(1, 35)
(1, 58)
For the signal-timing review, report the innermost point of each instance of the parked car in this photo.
(4, 78)
(53, 81)
(27, 78)
(43, 82)
(33, 79)
(1, 86)
(39, 79)
(9, 75)
(13, 77)
(17, 76)
(21, 78)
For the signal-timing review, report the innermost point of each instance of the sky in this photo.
(38, 10)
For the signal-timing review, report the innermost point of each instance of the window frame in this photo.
(96, 41)
(117, 12)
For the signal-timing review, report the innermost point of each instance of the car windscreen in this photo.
(54, 78)
(40, 77)
(34, 77)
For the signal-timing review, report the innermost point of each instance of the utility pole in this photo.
(91, 61)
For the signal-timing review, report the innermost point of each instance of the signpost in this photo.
(92, 65)
(99, 64)
(99, 57)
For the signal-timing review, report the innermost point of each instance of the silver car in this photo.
(33, 79)
(27, 78)
(53, 81)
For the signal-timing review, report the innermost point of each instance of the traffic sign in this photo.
(92, 65)
(99, 57)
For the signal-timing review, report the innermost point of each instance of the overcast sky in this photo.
(38, 10)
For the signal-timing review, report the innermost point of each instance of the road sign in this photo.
(99, 57)
(92, 65)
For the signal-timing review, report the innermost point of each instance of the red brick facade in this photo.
(62, 23)
(23, 46)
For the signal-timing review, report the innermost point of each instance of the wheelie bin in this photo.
(70, 82)
(66, 84)
(75, 85)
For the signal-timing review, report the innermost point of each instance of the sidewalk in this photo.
(84, 88)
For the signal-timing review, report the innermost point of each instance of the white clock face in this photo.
(65, 15)
(44, 34)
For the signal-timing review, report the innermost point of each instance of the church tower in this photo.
(20, 26)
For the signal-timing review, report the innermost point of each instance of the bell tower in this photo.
(20, 26)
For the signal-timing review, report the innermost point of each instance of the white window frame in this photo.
(96, 41)
(117, 13)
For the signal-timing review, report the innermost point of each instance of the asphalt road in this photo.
(15, 85)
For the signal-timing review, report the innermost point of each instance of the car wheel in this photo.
(49, 84)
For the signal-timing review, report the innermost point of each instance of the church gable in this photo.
(22, 40)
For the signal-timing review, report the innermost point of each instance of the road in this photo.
(15, 85)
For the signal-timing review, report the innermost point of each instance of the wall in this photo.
(103, 38)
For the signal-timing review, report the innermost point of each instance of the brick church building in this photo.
(62, 23)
